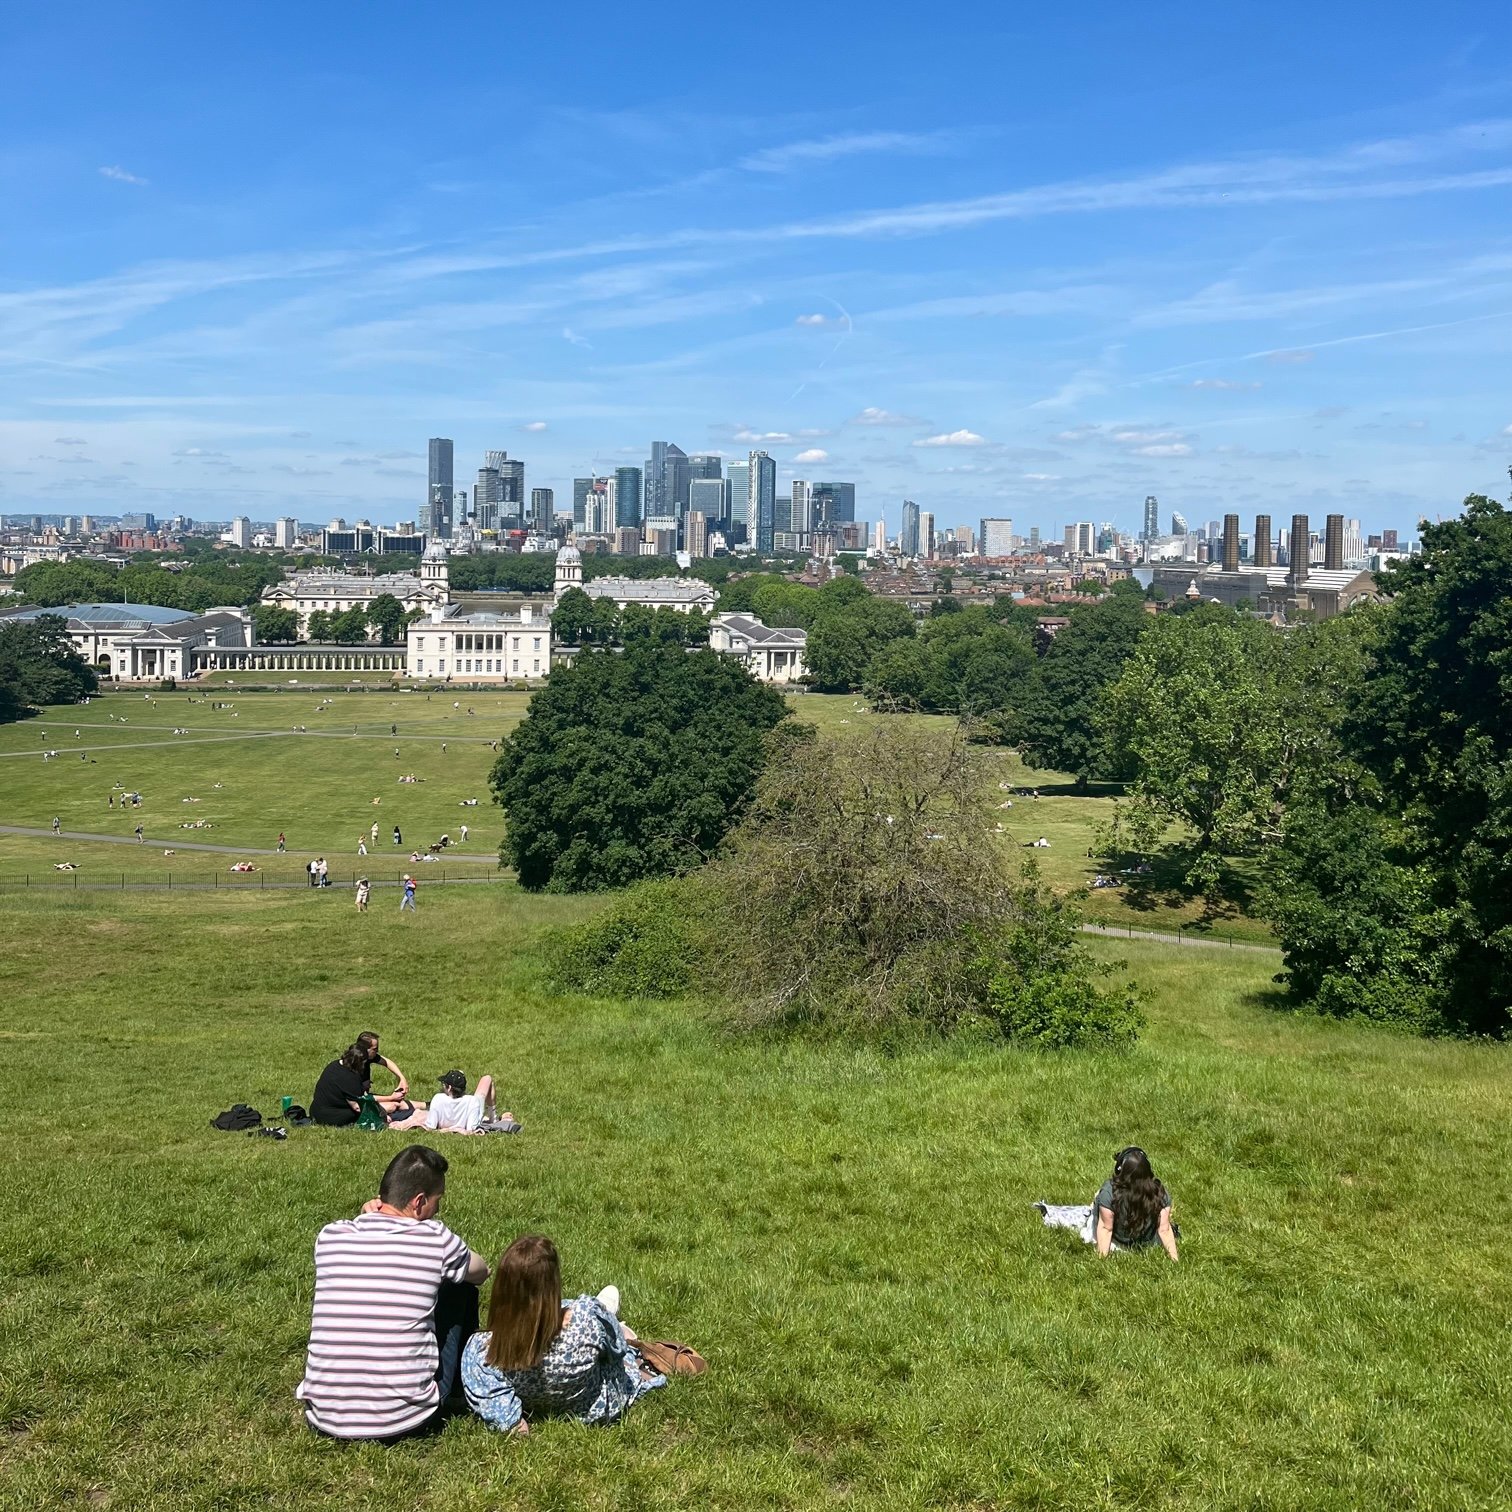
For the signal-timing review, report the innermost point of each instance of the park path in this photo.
(1204, 942)
(399, 852)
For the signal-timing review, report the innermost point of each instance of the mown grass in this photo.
(845, 1234)
(318, 785)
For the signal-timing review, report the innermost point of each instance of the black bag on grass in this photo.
(237, 1116)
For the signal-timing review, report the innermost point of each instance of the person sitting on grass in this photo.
(395, 1103)
(337, 1099)
(396, 1300)
(1132, 1207)
(454, 1110)
(538, 1356)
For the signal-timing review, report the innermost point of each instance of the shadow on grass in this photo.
(1158, 881)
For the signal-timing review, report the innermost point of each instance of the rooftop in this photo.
(111, 616)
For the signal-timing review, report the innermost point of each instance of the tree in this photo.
(1426, 806)
(1061, 728)
(39, 666)
(848, 633)
(780, 603)
(386, 615)
(275, 626)
(572, 619)
(631, 766)
(349, 627)
(318, 627)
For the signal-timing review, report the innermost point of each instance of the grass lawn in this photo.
(846, 1236)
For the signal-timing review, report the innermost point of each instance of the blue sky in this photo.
(1002, 260)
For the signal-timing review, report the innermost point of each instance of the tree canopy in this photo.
(631, 765)
(39, 666)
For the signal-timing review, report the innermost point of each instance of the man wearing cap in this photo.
(454, 1110)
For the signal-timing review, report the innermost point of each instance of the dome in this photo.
(569, 554)
(435, 552)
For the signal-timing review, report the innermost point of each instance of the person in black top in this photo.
(343, 1084)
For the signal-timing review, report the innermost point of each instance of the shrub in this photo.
(647, 944)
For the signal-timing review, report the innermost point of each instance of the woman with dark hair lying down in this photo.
(1132, 1207)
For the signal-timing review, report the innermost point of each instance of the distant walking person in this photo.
(312, 873)
(321, 872)
(110, 800)
(362, 895)
(373, 833)
(139, 835)
(408, 898)
(282, 844)
(398, 838)
(57, 825)
(362, 845)
(463, 840)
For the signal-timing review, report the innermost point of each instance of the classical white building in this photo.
(771, 654)
(144, 642)
(334, 592)
(482, 645)
(682, 594)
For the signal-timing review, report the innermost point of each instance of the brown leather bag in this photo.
(667, 1357)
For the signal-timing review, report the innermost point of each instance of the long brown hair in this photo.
(1138, 1195)
(525, 1308)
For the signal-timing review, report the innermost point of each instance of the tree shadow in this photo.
(1156, 881)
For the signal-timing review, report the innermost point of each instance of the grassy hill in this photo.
(847, 1236)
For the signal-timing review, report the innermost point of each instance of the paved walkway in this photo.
(1203, 941)
(396, 853)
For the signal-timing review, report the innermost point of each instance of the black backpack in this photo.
(237, 1116)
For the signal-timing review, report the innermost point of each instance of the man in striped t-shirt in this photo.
(396, 1298)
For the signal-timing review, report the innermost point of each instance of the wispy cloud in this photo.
(1290, 357)
(813, 454)
(120, 175)
(872, 415)
(791, 155)
(763, 438)
(69, 441)
(812, 320)
(953, 438)
(1222, 384)
(535, 427)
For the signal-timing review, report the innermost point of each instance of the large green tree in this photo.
(848, 633)
(1062, 729)
(39, 666)
(386, 615)
(965, 663)
(630, 766)
(275, 626)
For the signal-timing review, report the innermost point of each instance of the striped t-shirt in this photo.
(371, 1367)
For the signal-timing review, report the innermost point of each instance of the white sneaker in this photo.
(610, 1298)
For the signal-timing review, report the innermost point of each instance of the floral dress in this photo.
(589, 1373)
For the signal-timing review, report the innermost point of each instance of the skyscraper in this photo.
(698, 528)
(666, 482)
(801, 514)
(1262, 555)
(1333, 542)
(761, 500)
(705, 465)
(926, 533)
(995, 538)
(735, 498)
(437, 518)
(1151, 518)
(707, 497)
(542, 507)
(833, 504)
(908, 535)
(581, 487)
(1230, 543)
(628, 484)
(440, 473)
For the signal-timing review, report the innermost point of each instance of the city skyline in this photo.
(1077, 264)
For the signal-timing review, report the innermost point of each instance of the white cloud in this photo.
(1042, 477)
(69, 441)
(826, 149)
(1164, 449)
(568, 334)
(871, 415)
(120, 175)
(200, 454)
(953, 438)
(1146, 438)
(762, 437)
(534, 426)
(813, 454)
(812, 320)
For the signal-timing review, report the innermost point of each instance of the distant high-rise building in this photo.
(1389, 541)
(879, 537)
(1354, 545)
(908, 534)
(833, 504)
(598, 507)
(738, 480)
(698, 528)
(926, 533)
(488, 496)
(580, 490)
(782, 515)
(704, 465)
(995, 538)
(707, 497)
(761, 500)
(435, 518)
(1231, 543)
(1178, 524)
(666, 482)
(1081, 538)
(440, 471)
(1151, 518)
(542, 507)
(241, 531)
(1298, 549)
(629, 510)
(801, 514)
(285, 532)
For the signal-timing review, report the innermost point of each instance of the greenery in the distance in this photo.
(630, 766)
(39, 666)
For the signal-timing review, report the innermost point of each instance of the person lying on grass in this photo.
(396, 1299)
(337, 1099)
(455, 1110)
(1132, 1207)
(539, 1356)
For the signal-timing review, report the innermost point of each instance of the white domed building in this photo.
(684, 594)
(334, 591)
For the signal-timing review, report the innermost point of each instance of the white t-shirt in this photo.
(460, 1114)
(371, 1367)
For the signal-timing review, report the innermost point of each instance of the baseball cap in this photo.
(455, 1081)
